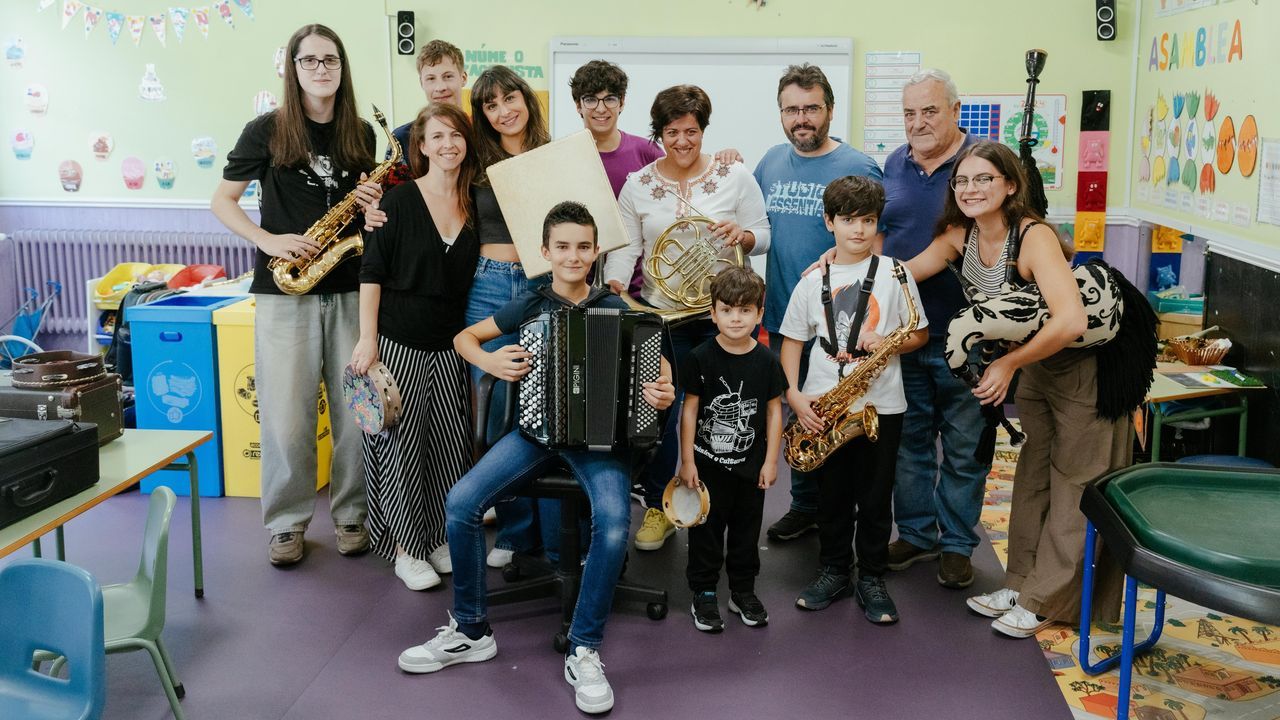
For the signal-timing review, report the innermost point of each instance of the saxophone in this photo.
(805, 450)
(299, 276)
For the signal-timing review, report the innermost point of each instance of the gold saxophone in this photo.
(807, 450)
(297, 277)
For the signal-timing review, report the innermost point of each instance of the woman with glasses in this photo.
(308, 155)
(685, 182)
(1002, 244)
(507, 120)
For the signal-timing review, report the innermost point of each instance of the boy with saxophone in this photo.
(864, 313)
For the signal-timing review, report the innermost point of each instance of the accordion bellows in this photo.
(587, 370)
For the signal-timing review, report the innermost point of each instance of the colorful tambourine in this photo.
(373, 398)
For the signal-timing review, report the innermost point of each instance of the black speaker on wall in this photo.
(404, 32)
(1105, 15)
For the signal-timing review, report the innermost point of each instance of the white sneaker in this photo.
(584, 671)
(1020, 623)
(440, 560)
(499, 558)
(416, 574)
(447, 648)
(993, 604)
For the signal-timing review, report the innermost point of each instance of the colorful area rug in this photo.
(1205, 667)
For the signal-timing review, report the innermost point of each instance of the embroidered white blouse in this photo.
(649, 205)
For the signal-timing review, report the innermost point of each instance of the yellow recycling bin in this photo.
(241, 447)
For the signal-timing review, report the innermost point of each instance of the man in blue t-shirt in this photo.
(935, 511)
(793, 177)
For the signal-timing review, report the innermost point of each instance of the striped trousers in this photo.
(410, 468)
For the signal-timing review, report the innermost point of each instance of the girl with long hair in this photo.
(308, 155)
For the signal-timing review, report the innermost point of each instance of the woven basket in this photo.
(1199, 351)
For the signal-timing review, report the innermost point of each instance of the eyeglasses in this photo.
(808, 110)
(610, 101)
(960, 182)
(311, 62)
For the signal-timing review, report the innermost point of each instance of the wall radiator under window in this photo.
(74, 256)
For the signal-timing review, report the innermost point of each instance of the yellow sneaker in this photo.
(654, 530)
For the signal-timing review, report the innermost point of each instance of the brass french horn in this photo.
(683, 268)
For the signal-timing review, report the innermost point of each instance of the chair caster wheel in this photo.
(561, 643)
(180, 691)
(511, 572)
(656, 611)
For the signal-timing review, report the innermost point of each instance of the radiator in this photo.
(74, 256)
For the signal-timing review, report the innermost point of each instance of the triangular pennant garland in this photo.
(158, 27)
(136, 24)
(44, 5)
(69, 10)
(247, 7)
(202, 20)
(91, 17)
(224, 10)
(178, 18)
(115, 23)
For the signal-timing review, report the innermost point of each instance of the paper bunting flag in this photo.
(69, 10)
(202, 20)
(44, 5)
(115, 23)
(178, 18)
(158, 27)
(91, 17)
(136, 25)
(247, 7)
(224, 10)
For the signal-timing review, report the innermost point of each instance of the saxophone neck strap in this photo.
(864, 293)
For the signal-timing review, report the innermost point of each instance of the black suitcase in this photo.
(43, 462)
(96, 402)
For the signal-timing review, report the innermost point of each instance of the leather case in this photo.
(96, 402)
(43, 462)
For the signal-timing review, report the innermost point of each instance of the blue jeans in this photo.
(932, 503)
(510, 464)
(663, 465)
(804, 485)
(497, 283)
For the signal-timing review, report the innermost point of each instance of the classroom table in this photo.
(1164, 389)
(123, 463)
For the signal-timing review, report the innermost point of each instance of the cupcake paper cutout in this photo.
(14, 52)
(165, 173)
(22, 144)
(264, 102)
(134, 172)
(204, 150)
(101, 144)
(37, 99)
(70, 175)
(150, 88)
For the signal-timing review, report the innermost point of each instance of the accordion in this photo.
(586, 374)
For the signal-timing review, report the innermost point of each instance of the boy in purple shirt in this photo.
(599, 90)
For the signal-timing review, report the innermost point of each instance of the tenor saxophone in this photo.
(806, 450)
(299, 276)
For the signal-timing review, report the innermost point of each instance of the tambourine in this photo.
(373, 398)
(686, 507)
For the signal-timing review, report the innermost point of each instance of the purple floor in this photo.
(320, 640)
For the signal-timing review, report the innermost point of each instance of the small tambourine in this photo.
(686, 507)
(374, 398)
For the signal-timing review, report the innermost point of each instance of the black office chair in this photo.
(563, 579)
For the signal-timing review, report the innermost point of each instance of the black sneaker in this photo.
(749, 608)
(826, 589)
(792, 525)
(706, 612)
(874, 599)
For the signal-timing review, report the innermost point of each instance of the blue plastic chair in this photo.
(47, 605)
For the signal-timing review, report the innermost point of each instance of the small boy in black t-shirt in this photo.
(730, 431)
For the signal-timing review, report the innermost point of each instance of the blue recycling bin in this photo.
(175, 377)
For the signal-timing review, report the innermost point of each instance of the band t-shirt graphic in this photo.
(886, 311)
(733, 399)
(293, 198)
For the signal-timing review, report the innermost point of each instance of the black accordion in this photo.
(586, 374)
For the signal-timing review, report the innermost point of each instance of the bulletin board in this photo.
(1206, 136)
(137, 102)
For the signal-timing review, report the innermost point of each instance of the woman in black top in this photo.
(416, 274)
(309, 155)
